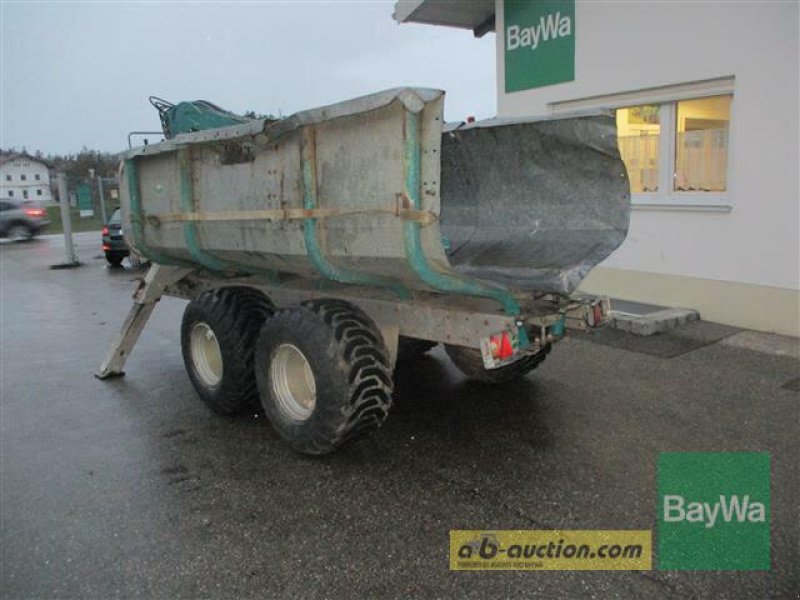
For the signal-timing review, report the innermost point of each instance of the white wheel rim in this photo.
(293, 383)
(206, 355)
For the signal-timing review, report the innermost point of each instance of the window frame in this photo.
(667, 162)
(667, 98)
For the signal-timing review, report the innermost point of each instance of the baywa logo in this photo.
(677, 509)
(549, 27)
(539, 43)
(713, 510)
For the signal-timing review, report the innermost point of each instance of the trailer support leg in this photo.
(144, 301)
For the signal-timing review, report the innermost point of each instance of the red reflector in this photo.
(506, 349)
(106, 247)
(34, 212)
(105, 230)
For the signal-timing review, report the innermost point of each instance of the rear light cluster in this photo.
(35, 212)
(500, 346)
(597, 313)
(105, 230)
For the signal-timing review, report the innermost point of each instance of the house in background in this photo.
(24, 177)
(706, 99)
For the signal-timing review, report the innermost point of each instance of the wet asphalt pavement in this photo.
(130, 487)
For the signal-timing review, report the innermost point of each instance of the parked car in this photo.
(114, 244)
(20, 221)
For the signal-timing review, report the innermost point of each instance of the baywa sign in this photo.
(714, 511)
(539, 43)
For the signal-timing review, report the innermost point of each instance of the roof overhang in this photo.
(477, 15)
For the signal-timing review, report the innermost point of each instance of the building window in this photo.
(8, 177)
(638, 135)
(25, 194)
(10, 193)
(673, 149)
(23, 177)
(37, 177)
(38, 192)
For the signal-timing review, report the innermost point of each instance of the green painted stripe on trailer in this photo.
(313, 247)
(203, 257)
(137, 219)
(198, 254)
(412, 234)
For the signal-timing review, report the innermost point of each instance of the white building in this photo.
(24, 177)
(707, 110)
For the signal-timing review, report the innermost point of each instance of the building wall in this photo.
(14, 169)
(738, 262)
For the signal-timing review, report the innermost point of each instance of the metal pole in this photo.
(66, 222)
(102, 199)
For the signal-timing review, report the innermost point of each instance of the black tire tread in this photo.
(236, 315)
(369, 376)
(356, 371)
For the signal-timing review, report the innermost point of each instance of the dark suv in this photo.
(21, 221)
(114, 244)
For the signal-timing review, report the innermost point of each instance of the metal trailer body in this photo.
(369, 192)
(472, 236)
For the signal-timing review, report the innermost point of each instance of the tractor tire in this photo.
(470, 362)
(218, 339)
(323, 374)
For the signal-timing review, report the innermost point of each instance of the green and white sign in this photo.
(85, 200)
(714, 510)
(539, 43)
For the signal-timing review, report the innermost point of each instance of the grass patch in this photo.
(78, 223)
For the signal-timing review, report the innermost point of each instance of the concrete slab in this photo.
(648, 319)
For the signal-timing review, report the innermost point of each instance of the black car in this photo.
(114, 244)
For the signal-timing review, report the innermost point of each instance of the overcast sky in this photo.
(78, 74)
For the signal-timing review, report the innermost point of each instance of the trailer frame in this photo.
(456, 320)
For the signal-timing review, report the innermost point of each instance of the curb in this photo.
(654, 322)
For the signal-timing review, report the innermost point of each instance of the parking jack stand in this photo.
(144, 301)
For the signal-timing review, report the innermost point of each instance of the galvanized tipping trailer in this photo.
(316, 248)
